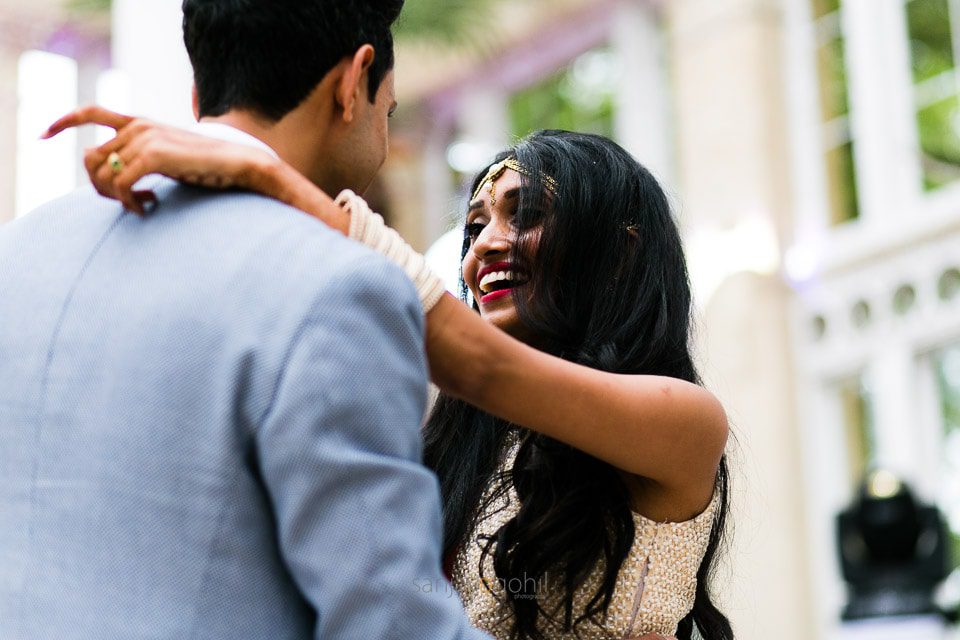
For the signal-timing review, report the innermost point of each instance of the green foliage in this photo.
(825, 7)
(89, 6)
(581, 97)
(930, 40)
(939, 125)
(831, 59)
(831, 62)
(453, 23)
(933, 56)
(842, 184)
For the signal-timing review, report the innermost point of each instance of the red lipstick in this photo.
(493, 296)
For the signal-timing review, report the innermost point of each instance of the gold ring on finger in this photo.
(115, 162)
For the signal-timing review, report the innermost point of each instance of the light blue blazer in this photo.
(209, 428)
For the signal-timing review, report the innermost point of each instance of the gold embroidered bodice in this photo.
(655, 588)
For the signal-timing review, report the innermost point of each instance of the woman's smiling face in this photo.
(488, 269)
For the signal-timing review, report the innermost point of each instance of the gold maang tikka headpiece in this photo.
(498, 170)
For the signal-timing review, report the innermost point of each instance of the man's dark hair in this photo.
(269, 55)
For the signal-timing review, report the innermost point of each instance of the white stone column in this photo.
(9, 59)
(148, 48)
(642, 121)
(828, 492)
(483, 118)
(902, 135)
(804, 131)
(727, 72)
(867, 70)
(438, 195)
(893, 393)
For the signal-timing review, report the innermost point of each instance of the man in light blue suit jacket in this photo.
(209, 416)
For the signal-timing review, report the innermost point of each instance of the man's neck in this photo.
(285, 137)
(259, 128)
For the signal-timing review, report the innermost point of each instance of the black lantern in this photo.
(893, 551)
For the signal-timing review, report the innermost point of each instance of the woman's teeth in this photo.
(488, 281)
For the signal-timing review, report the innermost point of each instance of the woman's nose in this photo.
(492, 240)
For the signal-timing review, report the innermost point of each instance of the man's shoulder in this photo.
(240, 217)
(254, 242)
(269, 238)
(299, 242)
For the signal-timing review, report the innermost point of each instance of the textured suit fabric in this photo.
(209, 428)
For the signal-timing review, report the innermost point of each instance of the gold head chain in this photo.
(498, 170)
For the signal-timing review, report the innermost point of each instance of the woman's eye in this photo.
(473, 230)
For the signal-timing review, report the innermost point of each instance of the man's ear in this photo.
(196, 102)
(353, 83)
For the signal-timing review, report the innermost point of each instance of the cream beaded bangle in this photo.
(369, 228)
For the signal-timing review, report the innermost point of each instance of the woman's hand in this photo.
(146, 147)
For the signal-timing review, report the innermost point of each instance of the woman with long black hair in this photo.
(580, 462)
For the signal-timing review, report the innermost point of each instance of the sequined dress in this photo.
(655, 588)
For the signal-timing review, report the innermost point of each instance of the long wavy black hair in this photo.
(608, 289)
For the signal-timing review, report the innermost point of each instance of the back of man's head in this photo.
(267, 56)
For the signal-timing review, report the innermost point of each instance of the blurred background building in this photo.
(812, 152)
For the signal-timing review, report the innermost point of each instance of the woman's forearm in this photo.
(279, 180)
(463, 351)
(660, 428)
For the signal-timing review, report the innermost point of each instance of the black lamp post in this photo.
(893, 552)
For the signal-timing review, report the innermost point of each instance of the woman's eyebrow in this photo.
(510, 194)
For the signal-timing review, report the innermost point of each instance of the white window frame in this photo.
(893, 205)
